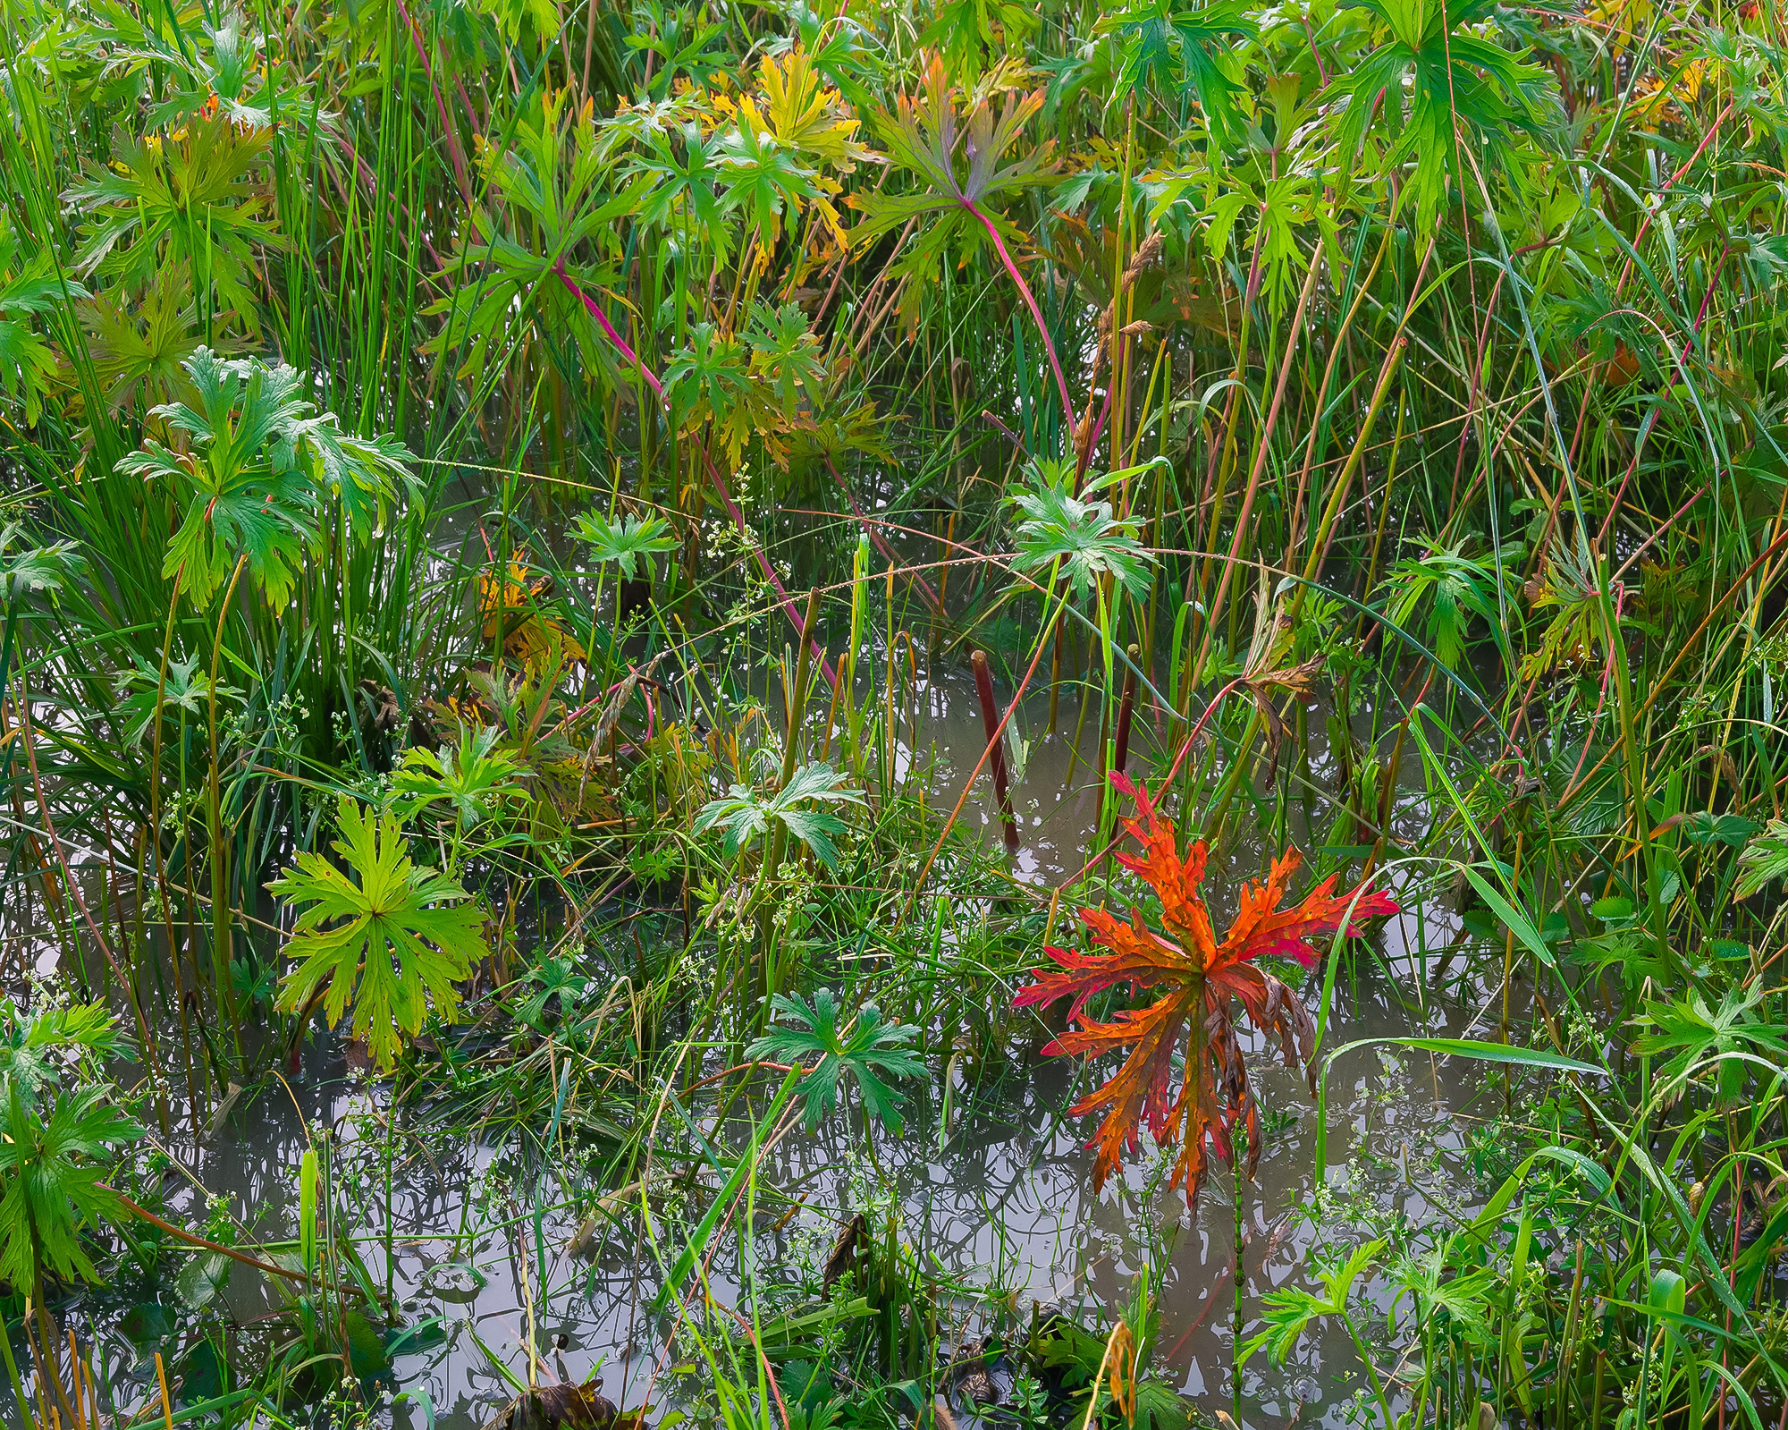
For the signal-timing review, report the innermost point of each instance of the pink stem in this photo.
(1037, 317)
(447, 125)
(739, 520)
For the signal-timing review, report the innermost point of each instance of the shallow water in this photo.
(1005, 1200)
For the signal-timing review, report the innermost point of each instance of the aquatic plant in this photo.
(1197, 977)
(1364, 420)
(383, 934)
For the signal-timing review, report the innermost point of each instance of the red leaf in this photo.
(1200, 978)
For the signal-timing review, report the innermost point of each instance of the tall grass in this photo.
(1183, 365)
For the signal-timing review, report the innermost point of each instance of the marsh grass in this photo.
(1411, 372)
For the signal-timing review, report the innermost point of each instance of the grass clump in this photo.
(503, 504)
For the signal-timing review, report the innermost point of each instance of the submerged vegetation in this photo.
(608, 605)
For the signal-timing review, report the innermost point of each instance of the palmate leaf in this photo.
(631, 540)
(958, 163)
(36, 1047)
(804, 115)
(34, 569)
(474, 777)
(743, 814)
(1765, 859)
(865, 1047)
(51, 1171)
(549, 186)
(1085, 536)
(1290, 1310)
(553, 978)
(1200, 976)
(183, 688)
(195, 200)
(401, 936)
(675, 184)
(1167, 49)
(1688, 1033)
(1449, 589)
(28, 286)
(261, 465)
(968, 31)
(139, 338)
(1456, 77)
(767, 181)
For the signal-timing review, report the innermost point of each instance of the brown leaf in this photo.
(846, 1246)
(549, 1407)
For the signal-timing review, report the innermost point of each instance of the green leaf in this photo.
(1514, 919)
(1456, 78)
(1691, 1033)
(1703, 828)
(1765, 860)
(1089, 541)
(34, 1048)
(398, 935)
(1479, 1051)
(38, 569)
(260, 470)
(51, 1172)
(864, 1048)
(1172, 52)
(743, 814)
(474, 777)
(625, 542)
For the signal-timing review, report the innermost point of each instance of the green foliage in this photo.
(1171, 51)
(193, 200)
(1084, 536)
(36, 1047)
(924, 136)
(401, 937)
(864, 1047)
(52, 1164)
(474, 778)
(184, 689)
(743, 813)
(555, 980)
(1765, 860)
(630, 541)
(1530, 412)
(262, 468)
(1466, 92)
(29, 287)
(1447, 589)
(26, 568)
(1694, 1037)
(1290, 1310)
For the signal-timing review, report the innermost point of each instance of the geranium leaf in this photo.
(405, 941)
(1197, 978)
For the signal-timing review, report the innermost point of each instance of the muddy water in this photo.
(1003, 1199)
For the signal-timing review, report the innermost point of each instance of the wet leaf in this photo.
(1199, 976)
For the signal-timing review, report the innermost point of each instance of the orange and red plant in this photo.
(1197, 972)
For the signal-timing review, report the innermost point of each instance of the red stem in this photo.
(1037, 317)
(720, 483)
